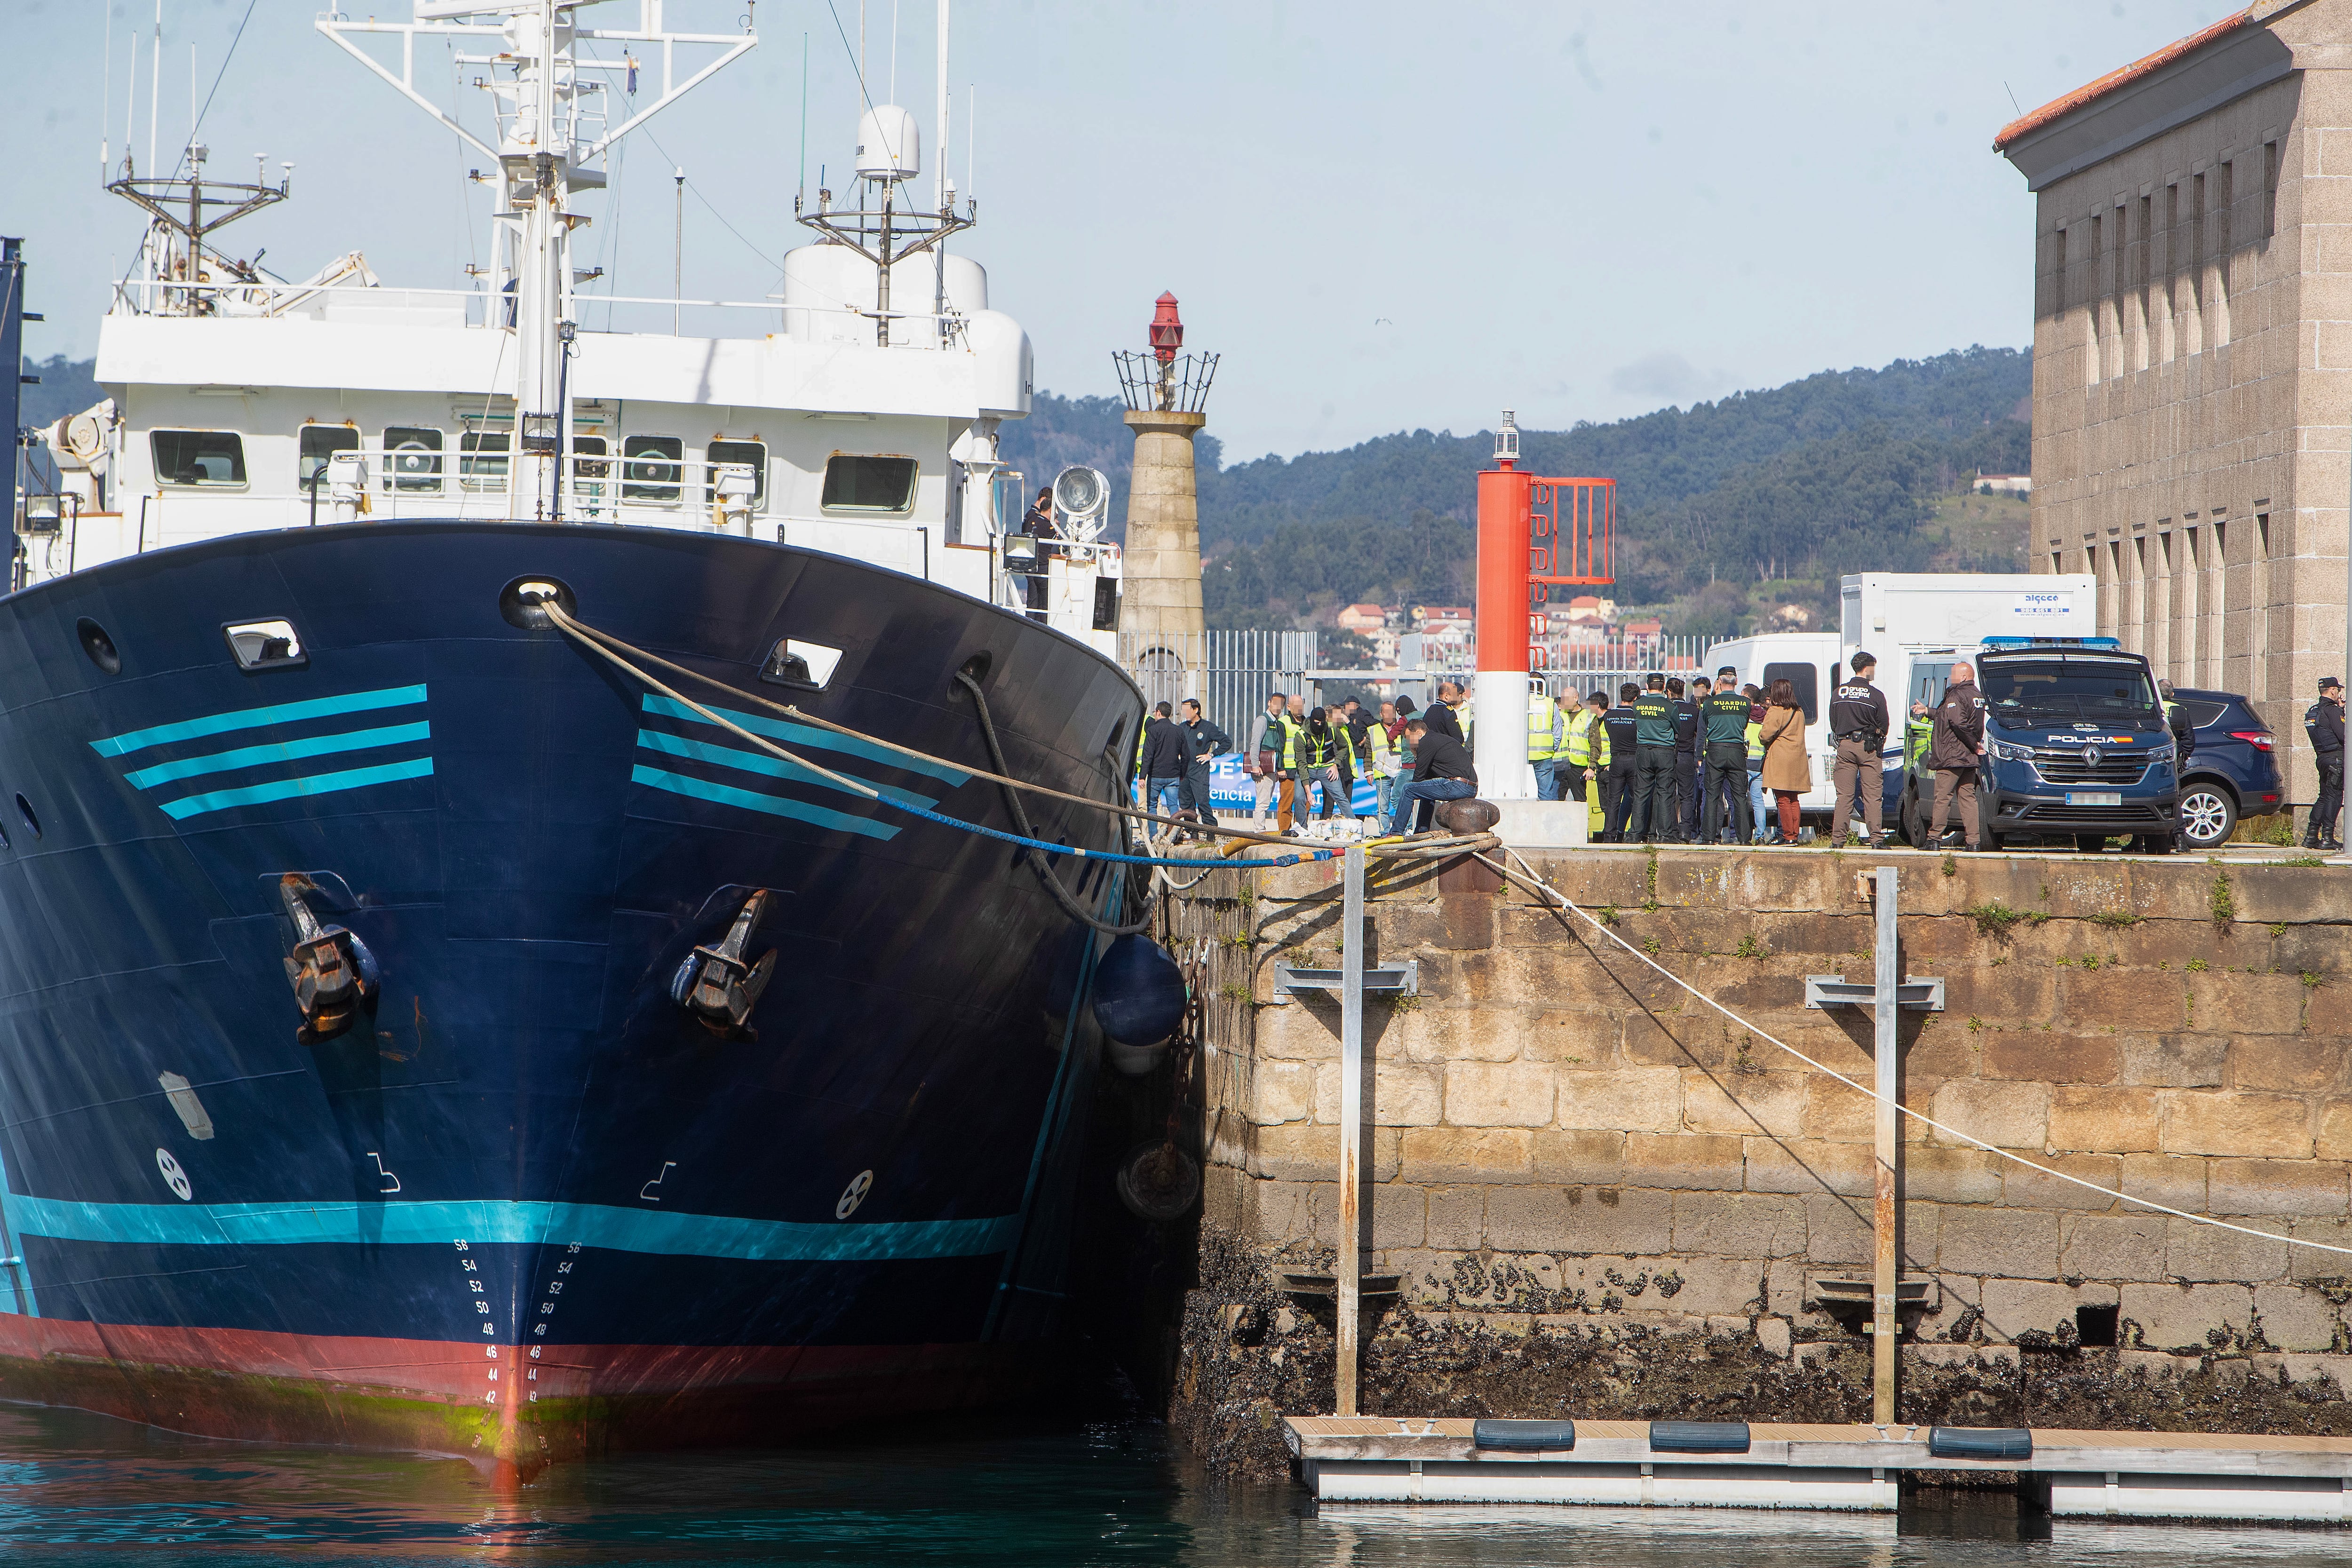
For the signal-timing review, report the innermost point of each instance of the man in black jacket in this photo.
(1205, 740)
(1617, 792)
(2324, 724)
(1859, 722)
(1442, 770)
(1441, 716)
(1164, 761)
(1689, 753)
(1956, 750)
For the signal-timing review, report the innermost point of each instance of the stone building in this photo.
(2192, 352)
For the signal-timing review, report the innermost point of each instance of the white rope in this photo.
(1535, 883)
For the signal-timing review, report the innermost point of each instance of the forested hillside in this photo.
(1723, 506)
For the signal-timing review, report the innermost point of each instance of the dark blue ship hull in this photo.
(527, 1206)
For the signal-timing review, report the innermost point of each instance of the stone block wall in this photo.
(1576, 1165)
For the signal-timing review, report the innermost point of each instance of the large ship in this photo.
(493, 958)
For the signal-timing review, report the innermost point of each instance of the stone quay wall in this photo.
(1603, 1198)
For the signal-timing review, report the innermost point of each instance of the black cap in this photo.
(1862, 659)
(2329, 683)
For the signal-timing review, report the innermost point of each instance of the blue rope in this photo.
(999, 833)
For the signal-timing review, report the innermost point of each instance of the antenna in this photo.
(154, 85)
(894, 51)
(105, 95)
(940, 152)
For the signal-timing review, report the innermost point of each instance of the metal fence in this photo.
(1589, 666)
(1236, 669)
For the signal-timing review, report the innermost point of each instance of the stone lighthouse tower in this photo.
(1161, 608)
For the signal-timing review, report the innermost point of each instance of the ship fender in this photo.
(1138, 1001)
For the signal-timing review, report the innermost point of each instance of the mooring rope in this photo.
(573, 628)
(799, 715)
(1534, 883)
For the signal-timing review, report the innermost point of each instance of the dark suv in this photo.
(2231, 771)
(2075, 747)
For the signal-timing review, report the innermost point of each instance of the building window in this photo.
(318, 443)
(651, 467)
(412, 458)
(868, 484)
(753, 454)
(211, 459)
(2270, 187)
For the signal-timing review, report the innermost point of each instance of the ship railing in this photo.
(648, 315)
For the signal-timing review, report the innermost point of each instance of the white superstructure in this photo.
(855, 413)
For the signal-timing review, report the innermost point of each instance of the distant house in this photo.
(1590, 609)
(1364, 619)
(1428, 617)
(2006, 484)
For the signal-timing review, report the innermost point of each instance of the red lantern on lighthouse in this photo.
(1167, 330)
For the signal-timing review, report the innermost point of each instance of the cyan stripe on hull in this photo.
(774, 805)
(255, 718)
(281, 751)
(286, 789)
(754, 763)
(807, 735)
(497, 1221)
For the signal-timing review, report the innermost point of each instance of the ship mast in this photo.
(551, 142)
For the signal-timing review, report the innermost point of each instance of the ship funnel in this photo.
(889, 144)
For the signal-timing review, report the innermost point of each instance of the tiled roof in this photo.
(2058, 109)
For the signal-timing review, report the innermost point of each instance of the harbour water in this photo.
(91, 1490)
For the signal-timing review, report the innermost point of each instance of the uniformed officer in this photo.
(1725, 789)
(1602, 794)
(1543, 739)
(1571, 757)
(1623, 780)
(2176, 719)
(1654, 754)
(1686, 755)
(2324, 724)
(1859, 722)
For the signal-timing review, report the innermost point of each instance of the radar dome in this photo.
(889, 144)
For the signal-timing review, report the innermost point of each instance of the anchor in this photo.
(718, 987)
(332, 971)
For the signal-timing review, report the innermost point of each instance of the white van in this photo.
(1809, 662)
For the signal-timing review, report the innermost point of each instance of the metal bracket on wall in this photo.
(1395, 979)
(1914, 995)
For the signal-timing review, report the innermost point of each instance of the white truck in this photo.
(1931, 618)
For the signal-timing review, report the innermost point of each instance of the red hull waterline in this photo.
(514, 1408)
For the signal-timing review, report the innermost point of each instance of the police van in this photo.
(2076, 745)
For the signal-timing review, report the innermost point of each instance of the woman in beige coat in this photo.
(1787, 773)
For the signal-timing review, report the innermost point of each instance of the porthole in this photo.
(97, 646)
(25, 810)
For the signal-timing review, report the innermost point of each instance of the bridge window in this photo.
(868, 484)
(651, 467)
(753, 454)
(321, 442)
(477, 470)
(210, 458)
(412, 458)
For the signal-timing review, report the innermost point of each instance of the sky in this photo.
(1383, 216)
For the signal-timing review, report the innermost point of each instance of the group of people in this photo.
(1677, 762)
(1412, 758)
(1690, 763)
